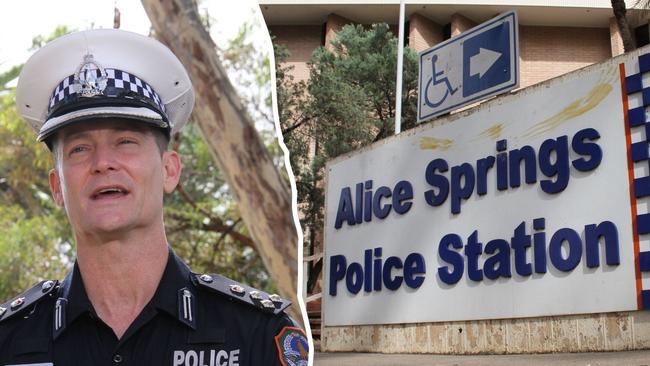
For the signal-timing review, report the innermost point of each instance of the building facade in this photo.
(555, 37)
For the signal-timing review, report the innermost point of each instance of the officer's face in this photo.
(111, 177)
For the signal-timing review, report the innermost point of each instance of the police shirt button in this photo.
(17, 303)
(275, 298)
(267, 304)
(117, 358)
(256, 295)
(2, 311)
(47, 285)
(206, 278)
(236, 289)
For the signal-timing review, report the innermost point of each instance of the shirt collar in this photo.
(174, 296)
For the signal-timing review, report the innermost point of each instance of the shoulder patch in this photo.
(242, 293)
(28, 298)
(293, 348)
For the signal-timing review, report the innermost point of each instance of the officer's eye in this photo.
(124, 141)
(78, 149)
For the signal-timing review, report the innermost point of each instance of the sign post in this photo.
(474, 65)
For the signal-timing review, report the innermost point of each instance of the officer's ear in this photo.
(55, 187)
(171, 170)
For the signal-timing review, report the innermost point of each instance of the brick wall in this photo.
(301, 40)
(423, 33)
(459, 24)
(546, 52)
(334, 24)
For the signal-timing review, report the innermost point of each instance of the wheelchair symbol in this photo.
(434, 82)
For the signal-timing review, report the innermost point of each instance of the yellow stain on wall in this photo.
(575, 109)
(493, 132)
(433, 143)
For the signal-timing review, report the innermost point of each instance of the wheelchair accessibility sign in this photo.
(476, 64)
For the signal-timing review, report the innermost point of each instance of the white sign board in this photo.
(474, 65)
(532, 204)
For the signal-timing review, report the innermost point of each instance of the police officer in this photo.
(106, 102)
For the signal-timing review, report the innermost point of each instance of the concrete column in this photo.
(615, 39)
(423, 33)
(459, 24)
(333, 26)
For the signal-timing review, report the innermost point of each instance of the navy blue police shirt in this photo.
(192, 320)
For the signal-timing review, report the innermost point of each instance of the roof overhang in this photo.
(568, 13)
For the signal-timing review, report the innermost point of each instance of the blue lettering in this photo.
(497, 265)
(502, 165)
(452, 257)
(367, 202)
(575, 249)
(589, 149)
(527, 154)
(473, 250)
(539, 245)
(354, 277)
(482, 167)
(462, 173)
(402, 194)
(438, 181)
(414, 265)
(559, 168)
(607, 230)
(359, 204)
(392, 283)
(345, 211)
(377, 209)
(338, 264)
(520, 244)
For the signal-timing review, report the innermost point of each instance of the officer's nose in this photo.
(103, 159)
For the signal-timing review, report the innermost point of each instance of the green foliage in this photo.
(8, 76)
(201, 213)
(347, 103)
(36, 240)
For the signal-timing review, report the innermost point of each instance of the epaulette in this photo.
(28, 298)
(242, 293)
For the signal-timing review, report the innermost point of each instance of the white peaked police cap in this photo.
(86, 76)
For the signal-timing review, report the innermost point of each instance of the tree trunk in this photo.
(264, 198)
(618, 7)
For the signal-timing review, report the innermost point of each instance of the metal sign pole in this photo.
(400, 57)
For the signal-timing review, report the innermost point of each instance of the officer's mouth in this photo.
(109, 192)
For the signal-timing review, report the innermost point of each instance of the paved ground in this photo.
(631, 358)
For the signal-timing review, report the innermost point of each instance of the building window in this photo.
(446, 31)
(642, 36)
(407, 30)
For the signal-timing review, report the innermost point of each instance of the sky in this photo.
(20, 21)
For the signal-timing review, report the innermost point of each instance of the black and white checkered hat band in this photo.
(117, 79)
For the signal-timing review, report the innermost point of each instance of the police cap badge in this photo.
(103, 73)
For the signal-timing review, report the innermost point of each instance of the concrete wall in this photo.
(576, 333)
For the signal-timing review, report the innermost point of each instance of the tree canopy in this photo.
(347, 103)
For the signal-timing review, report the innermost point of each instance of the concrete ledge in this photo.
(575, 333)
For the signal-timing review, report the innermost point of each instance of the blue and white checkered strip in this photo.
(114, 78)
(637, 85)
